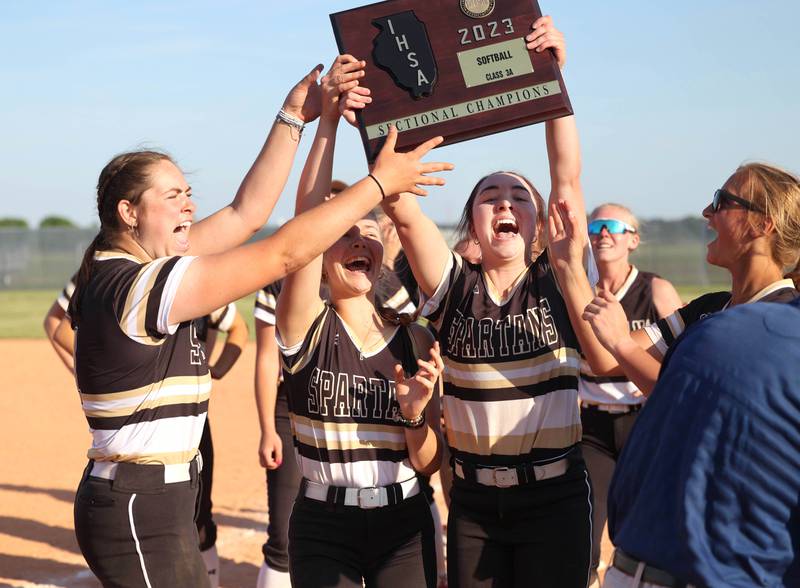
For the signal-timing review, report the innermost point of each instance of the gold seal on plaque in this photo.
(477, 8)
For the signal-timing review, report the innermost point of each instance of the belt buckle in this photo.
(369, 497)
(505, 477)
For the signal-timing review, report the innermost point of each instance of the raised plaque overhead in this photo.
(456, 68)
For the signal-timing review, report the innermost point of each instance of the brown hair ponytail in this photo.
(125, 177)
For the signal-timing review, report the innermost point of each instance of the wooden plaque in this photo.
(456, 68)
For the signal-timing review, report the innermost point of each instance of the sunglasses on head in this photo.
(612, 225)
(721, 196)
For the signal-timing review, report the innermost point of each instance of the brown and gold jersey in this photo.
(144, 383)
(511, 366)
(66, 294)
(343, 406)
(636, 298)
(664, 332)
(266, 302)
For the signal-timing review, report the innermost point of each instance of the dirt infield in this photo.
(44, 438)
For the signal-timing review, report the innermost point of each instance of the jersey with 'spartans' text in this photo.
(664, 332)
(511, 366)
(343, 407)
(636, 298)
(144, 383)
(266, 302)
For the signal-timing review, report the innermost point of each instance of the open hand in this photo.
(404, 172)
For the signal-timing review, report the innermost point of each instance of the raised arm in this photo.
(568, 238)
(299, 301)
(425, 248)
(259, 191)
(214, 280)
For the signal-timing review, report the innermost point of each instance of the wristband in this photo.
(291, 120)
(411, 423)
(374, 179)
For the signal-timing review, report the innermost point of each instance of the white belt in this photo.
(177, 472)
(372, 497)
(504, 477)
(611, 408)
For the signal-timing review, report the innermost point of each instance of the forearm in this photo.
(215, 280)
(577, 295)
(424, 448)
(425, 248)
(299, 300)
(266, 395)
(261, 187)
(563, 153)
(255, 199)
(638, 365)
(315, 180)
(64, 355)
(266, 379)
(59, 332)
(564, 156)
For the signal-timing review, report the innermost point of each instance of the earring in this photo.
(476, 242)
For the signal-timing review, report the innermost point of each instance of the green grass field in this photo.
(22, 311)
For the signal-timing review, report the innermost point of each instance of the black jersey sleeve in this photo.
(266, 302)
(664, 332)
(66, 294)
(222, 318)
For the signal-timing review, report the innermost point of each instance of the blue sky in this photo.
(670, 98)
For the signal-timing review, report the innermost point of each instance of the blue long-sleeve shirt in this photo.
(708, 484)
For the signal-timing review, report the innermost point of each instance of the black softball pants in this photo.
(136, 531)
(604, 435)
(386, 547)
(535, 535)
(206, 527)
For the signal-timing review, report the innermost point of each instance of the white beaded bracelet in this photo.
(291, 120)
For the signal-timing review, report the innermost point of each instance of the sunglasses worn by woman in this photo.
(754, 248)
(612, 225)
(723, 197)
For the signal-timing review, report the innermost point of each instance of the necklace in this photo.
(365, 340)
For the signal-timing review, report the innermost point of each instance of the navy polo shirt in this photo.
(708, 484)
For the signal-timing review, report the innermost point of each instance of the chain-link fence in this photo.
(46, 258)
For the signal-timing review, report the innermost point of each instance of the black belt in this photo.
(630, 565)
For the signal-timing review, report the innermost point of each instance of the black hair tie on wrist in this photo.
(383, 194)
